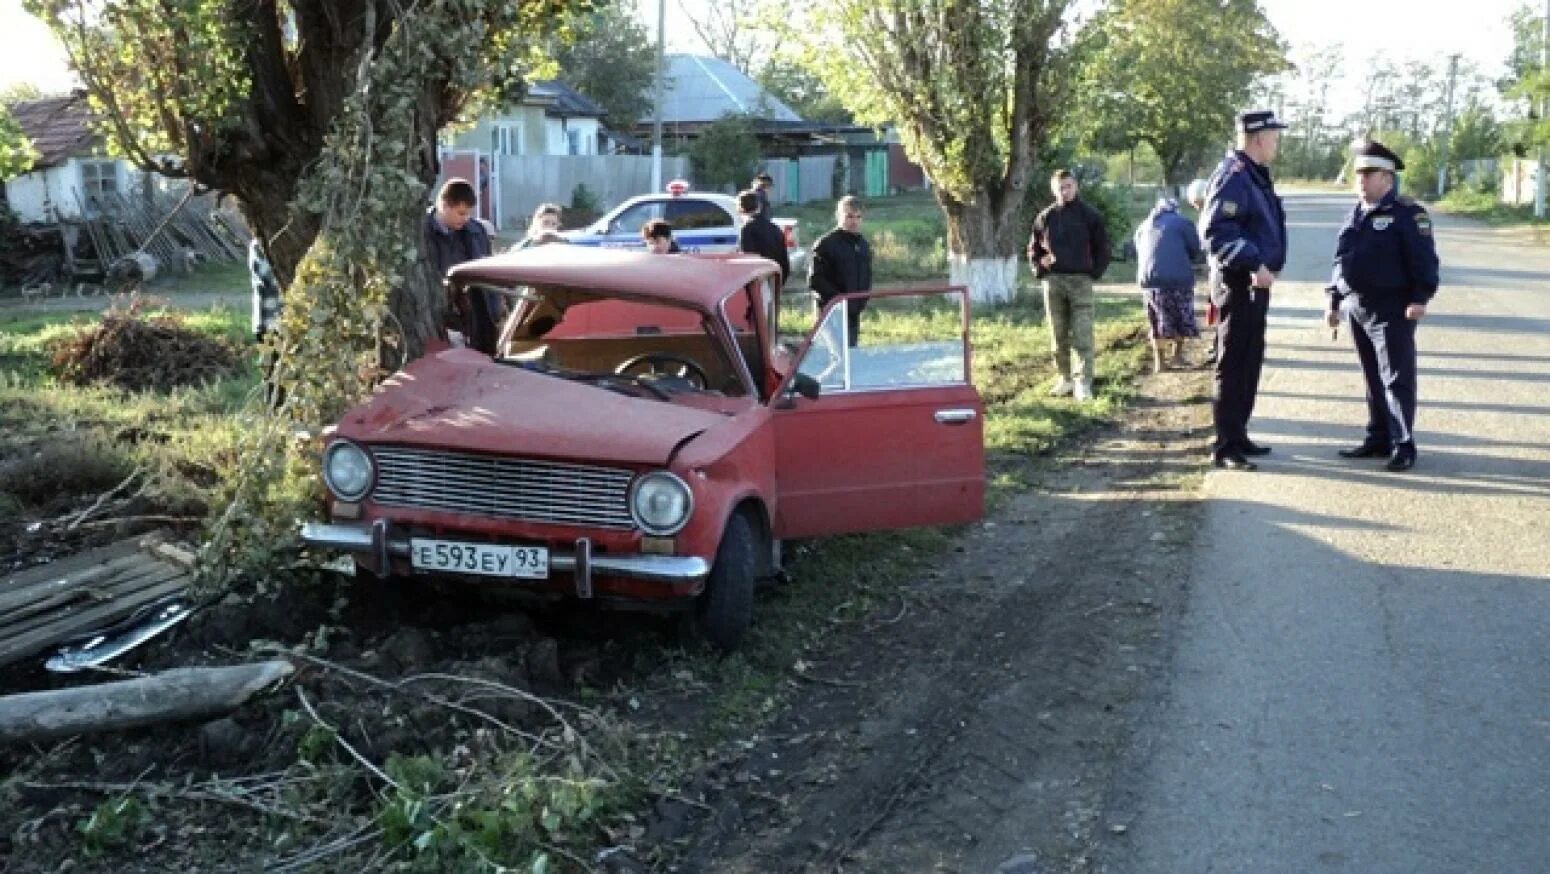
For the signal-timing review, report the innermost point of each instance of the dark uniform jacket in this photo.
(760, 236)
(1243, 224)
(1386, 255)
(841, 264)
(476, 314)
(1075, 233)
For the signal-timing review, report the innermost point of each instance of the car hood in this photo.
(460, 399)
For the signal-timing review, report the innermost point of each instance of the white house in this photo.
(551, 119)
(70, 167)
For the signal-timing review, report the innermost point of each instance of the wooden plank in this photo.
(144, 572)
(78, 622)
(67, 571)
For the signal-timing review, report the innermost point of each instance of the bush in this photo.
(724, 154)
(137, 352)
(584, 199)
(67, 467)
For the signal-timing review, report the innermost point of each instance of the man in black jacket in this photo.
(842, 264)
(452, 237)
(760, 236)
(1069, 249)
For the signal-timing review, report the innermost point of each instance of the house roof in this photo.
(59, 127)
(702, 89)
(567, 101)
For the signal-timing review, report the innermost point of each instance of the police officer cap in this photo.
(1257, 120)
(1373, 155)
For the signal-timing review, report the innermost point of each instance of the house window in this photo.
(573, 142)
(99, 178)
(506, 139)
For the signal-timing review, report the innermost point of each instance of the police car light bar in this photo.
(677, 187)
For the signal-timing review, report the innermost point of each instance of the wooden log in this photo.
(172, 696)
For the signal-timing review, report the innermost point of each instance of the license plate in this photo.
(527, 562)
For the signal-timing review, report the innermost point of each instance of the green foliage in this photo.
(16, 152)
(725, 153)
(114, 824)
(612, 60)
(796, 85)
(1150, 74)
(584, 199)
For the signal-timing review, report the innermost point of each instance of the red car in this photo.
(645, 434)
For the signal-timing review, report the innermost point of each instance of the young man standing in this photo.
(842, 264)
(762, 184)
(452, 237)
(1069, 250)
(1385, 275)
(1243, 226)
(759, 236)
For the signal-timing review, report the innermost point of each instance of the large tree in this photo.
(16, 153)
(1171, 74)
(318, 114)
(973, 89)
(611, 60)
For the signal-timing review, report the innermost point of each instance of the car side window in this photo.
(689, 213)
(905, 341)
(629, 221)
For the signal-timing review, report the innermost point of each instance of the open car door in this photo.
(895, 437)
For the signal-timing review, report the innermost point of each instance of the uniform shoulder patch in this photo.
(1229, 208)
(1423, 223)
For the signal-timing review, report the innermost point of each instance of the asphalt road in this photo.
(1361, 679)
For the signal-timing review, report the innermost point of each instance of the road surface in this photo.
(1361, 677)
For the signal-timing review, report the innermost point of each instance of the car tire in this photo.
(725, 608)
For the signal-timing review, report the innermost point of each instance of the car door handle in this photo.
(955, 417)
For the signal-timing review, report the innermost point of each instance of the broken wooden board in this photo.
(47, 605)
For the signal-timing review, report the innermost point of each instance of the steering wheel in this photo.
(660, 364)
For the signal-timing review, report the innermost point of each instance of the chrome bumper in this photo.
(379, 540)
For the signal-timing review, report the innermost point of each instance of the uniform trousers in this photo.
(1385, 343)
(1240, 338)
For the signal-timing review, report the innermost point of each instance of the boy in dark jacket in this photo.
(452, 237)
(760, 236)
(842, 264)
(1069, 249)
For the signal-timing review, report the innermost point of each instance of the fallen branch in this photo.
(103, 499)
(152, 790)
(176, 695)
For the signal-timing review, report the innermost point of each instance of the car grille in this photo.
(511, 488)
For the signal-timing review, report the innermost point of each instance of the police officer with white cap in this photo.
(1385, 275)
(1243, 227)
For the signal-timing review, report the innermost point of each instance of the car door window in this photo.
(906, 341)
(630, 221)
(688, 214)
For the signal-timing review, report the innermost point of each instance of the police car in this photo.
(702, 222)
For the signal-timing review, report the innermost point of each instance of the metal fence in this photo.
(525, 181)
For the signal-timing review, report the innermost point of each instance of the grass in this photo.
(1486, 207)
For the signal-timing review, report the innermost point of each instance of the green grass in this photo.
(220, 277)
(1486, 207)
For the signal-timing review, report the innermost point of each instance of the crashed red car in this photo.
(645, 435)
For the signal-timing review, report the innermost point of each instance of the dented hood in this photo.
(461, 400)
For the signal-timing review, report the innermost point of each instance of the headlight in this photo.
(661, 503)
(347, 470)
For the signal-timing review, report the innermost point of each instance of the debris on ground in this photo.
(139, 352)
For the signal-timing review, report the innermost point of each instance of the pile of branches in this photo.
(139, 352)
(30, 253)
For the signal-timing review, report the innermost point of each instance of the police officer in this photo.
(1243, 227)
(1385, 274)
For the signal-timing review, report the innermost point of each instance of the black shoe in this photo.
(1368, 449)
(1403, 459)
(1232, 460)
(1249, 447)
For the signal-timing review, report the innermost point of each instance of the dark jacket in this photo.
(1075, 234)
(764, 201)
(1243, 224)
(1166, 247)
(475, 315)
(841, 264)
(1386, 255)
(762, 237)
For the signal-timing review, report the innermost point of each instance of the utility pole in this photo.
(1544, 106)
(656, 99)
(1447, 128)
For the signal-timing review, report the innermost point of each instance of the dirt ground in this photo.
(976, 725)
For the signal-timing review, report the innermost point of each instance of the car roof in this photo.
(725, 201)
(700, 282)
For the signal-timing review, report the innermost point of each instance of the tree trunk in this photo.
(983, 245)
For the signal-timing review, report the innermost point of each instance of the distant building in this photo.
(552, 118)
(70, 168)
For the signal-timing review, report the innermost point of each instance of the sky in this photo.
(1405, 29)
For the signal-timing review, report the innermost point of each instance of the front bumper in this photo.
(379, 540)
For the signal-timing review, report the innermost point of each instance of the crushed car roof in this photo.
(700, 282)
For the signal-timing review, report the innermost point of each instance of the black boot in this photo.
(1402, 459)
(1368, 449)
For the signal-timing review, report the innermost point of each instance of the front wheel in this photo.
(725, 608)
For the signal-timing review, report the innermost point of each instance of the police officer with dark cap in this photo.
(1385, 275)
(1243, 229)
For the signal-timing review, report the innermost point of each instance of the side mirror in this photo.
(806, 386)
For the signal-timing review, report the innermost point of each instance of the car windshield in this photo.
(638, 347)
